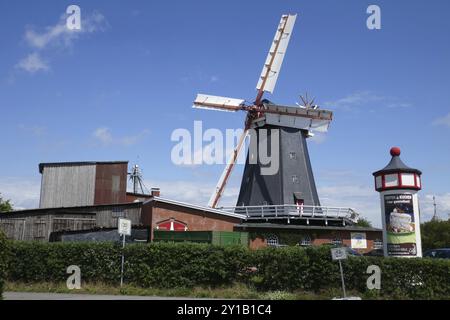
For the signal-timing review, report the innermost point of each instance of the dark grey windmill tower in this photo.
(293, 182)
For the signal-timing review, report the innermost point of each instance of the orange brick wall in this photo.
(323, 238)
(257, 243)
(196, 220)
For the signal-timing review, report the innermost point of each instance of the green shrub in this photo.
(37, 261)
(187, 265)
(4, 256)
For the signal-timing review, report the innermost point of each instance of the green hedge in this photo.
(4, 255)
(168, 265)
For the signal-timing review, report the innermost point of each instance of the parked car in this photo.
(442, 253)
(375, 253)
(350, 251)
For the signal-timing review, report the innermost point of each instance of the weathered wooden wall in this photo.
(67, 186)
(108, 217)
(39, 224)
(39, 227)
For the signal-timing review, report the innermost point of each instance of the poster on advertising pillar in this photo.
(400, 224)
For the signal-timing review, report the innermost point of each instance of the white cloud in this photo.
(104, 136)
(352, 100)
(57, 36)
(195, 192)
(34, 130)
(365, 98)
(33, 63)
(442, 206)
(23, 192)
(199, 76)
(60, 35)
(362, 198)
(399, 105)
(442, 121)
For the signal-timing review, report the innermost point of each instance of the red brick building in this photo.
(87, 195)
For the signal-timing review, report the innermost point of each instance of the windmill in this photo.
(294, 123)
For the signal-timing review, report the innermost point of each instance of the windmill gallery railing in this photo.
(294, 211)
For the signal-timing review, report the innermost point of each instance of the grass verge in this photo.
(237, 291)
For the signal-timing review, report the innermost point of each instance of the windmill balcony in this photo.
(295, 212)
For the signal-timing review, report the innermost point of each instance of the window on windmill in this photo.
(292, 155)
(294, 179)
(377, 244)
(272, 240)
(336, 241)
(306, 241)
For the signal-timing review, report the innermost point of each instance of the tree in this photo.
(5, 205)
(435, 234)
(364, 223)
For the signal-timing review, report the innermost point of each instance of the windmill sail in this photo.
(220, 188)
(204, 101)
(274, 60)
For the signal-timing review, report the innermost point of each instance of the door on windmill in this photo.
(171, 225)
(299, 203)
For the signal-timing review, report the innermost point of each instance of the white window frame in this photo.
(272, 240)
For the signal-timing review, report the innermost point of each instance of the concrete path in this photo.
(75, 296)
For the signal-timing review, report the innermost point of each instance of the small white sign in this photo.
(359, 240)
(124, 227)
(338, 254)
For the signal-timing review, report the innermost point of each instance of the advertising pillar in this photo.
(398, 185)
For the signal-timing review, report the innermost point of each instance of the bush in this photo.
(4, 255)
(156, 265)
(435, 234)
(186, 265)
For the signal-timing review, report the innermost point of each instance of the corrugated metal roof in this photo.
(76, 163)
(38, 210)
(196, 207)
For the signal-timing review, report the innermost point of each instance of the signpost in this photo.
(340, 254)
(124, 228)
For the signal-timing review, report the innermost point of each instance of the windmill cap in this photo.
(396, 164)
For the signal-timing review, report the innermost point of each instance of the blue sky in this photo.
(118, 89)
